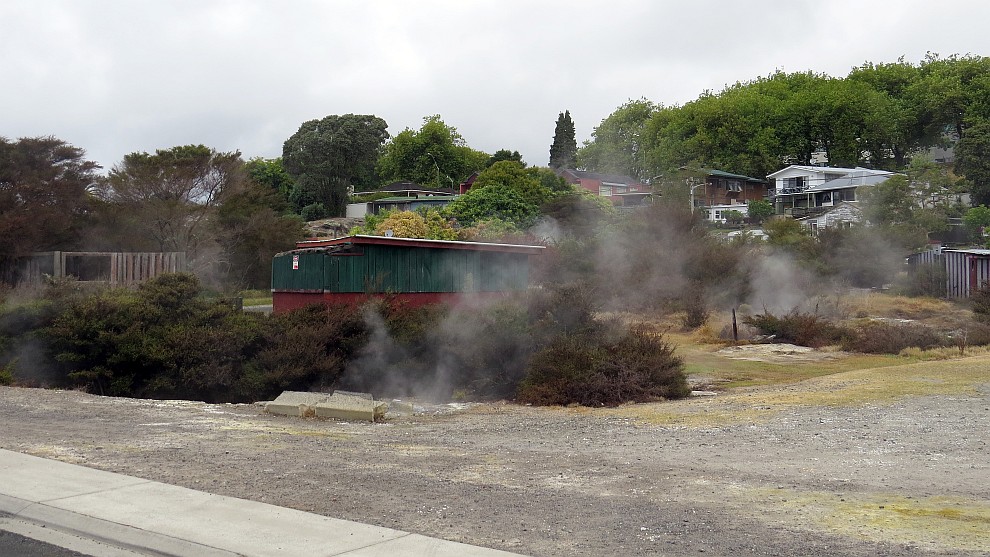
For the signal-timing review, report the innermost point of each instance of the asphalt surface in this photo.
(12, 544)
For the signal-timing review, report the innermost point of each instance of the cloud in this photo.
(116, 76)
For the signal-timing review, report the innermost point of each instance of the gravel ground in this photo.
(803, 469)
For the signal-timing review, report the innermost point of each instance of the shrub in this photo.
(696, 310)
(803, 329)
(927, 279)
(637, 367)
(314, 211)
(7, 373)
(881, 337)
(309, 348)
(981, 303)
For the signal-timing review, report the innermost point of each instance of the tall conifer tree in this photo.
(563, 151)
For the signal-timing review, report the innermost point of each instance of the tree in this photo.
(506, 204)
(977, 220)
(973, 161)
(759, 209)
(326, 156)
(435, 155)
(250, 229)
(511, 175)
(171, 194)
(271, 174)
(563, 150)
(894, 210)
(44, 195)
(505, 155)
(196, 200)
(617, 143)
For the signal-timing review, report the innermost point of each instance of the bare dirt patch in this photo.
(779, 353)
(888, 461)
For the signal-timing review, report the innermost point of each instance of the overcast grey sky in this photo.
(117, 76)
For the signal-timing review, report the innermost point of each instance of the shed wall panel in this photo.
(965, 272)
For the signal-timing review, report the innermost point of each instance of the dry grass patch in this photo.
(931, 311)
(947, 522)
(851, 388)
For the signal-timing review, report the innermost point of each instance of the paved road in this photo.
(17, 545)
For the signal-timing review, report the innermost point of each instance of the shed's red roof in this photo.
(421, 243)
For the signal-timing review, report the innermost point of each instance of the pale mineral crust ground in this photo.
(891, 461)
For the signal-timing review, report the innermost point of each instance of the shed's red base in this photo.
(287, 301)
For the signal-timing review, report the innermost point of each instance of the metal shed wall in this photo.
(399, 269)
(966, 270)
(299, 271)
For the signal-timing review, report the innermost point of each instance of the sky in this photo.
(120, 76)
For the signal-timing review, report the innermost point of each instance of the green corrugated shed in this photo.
(398, 265)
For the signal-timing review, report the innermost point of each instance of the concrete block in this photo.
(343, 405)
(295, 403)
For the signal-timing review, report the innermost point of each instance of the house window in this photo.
(605, 190)
(794, 184)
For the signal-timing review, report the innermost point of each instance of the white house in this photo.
(802, 190)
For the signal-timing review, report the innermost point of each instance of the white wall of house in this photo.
(813, 176)
(357, 210)
(716, 213)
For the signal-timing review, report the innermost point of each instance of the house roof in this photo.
(613, 178)
(979, 252)
(723, 174)
(428, 198)
(828, 170)
(419, 242)
(409, 187)
(850, 181)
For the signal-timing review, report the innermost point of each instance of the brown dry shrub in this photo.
(803, 329)
(639, 366)
(880, 337)
(981, 303)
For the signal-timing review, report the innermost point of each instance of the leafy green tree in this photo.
(732, 216)
(617, 145)
(973, 161)
(44, 197)
(435, 155)
(505, 155)
(506, 204)
(271, 174)
(953, 93)
(892, 208)
(759, 209)
(977, 220)
(563, 150)
(899, 81)
(511, 175)
(325, 157)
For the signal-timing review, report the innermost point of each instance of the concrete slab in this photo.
(149, 517)
(29, 478)
(237, 526)
(415, 545)
(343, 405)
(295, 403)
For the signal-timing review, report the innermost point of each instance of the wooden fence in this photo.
(114, 268)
